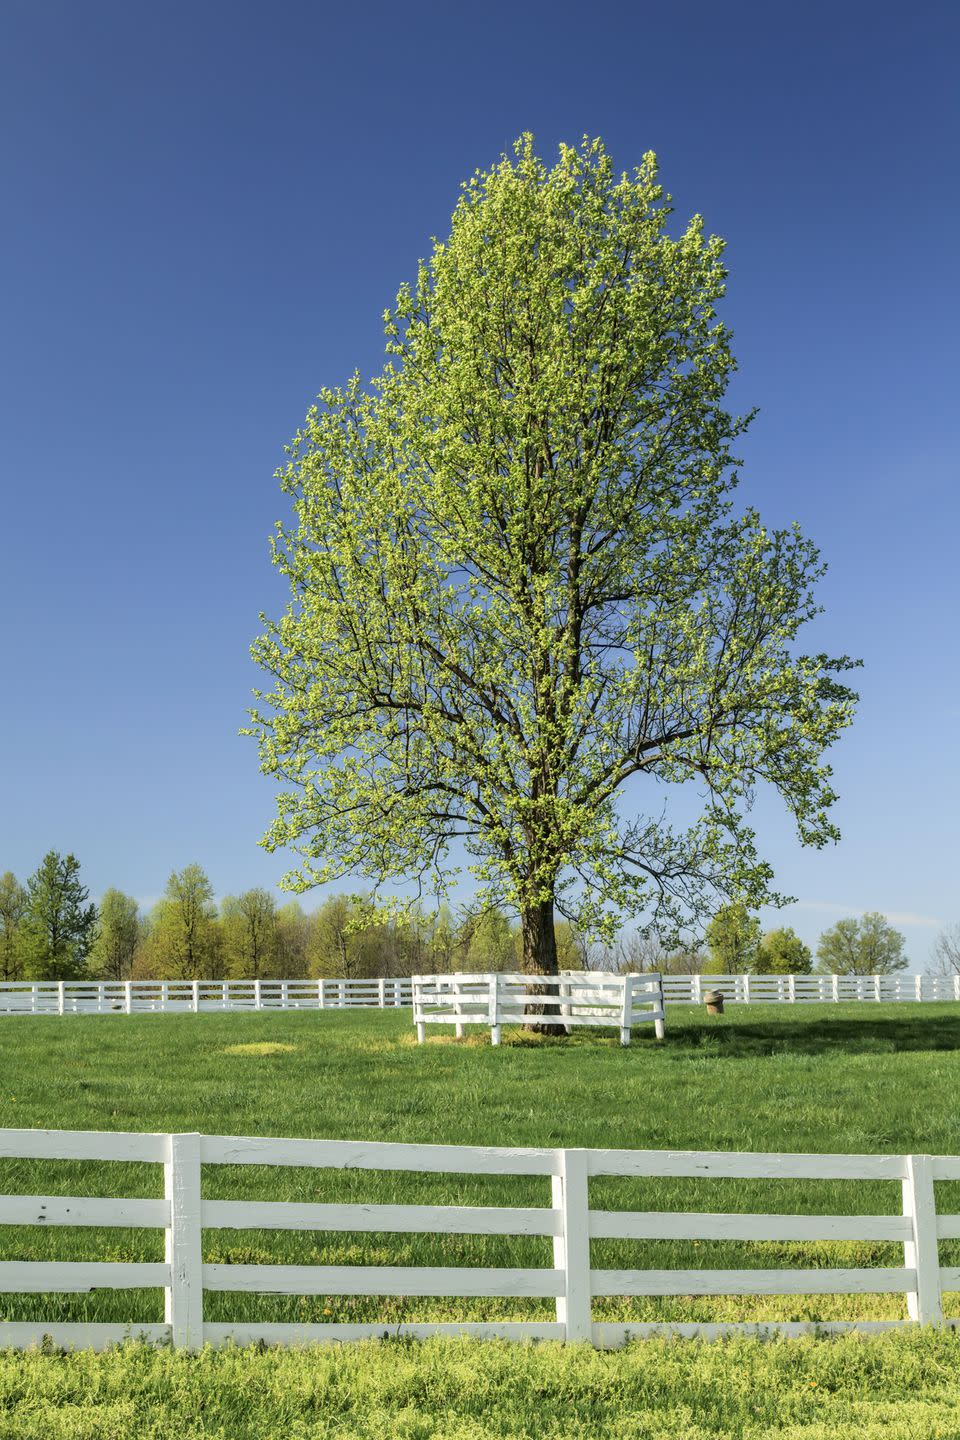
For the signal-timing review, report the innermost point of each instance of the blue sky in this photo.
(207, 208)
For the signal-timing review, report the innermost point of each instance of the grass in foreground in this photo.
(826, 1078)
(894, 1387)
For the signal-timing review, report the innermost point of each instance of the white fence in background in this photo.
(119, 997)
(134, 997)
(810, 989)
(568, 1219)
(577, 997)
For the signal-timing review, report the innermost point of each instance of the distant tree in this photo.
(184, 934)
(782, 952)
(59, 926)
(249, 931)
(868, 946)
(946, 952)
(443, 942)
(489, 941)
(13, 909)
(572, 946)
(292, 928)
(349, 937)
(733, 939)
(121, 932)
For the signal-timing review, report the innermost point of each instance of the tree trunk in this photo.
(540, 958)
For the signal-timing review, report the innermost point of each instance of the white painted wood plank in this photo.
(920, 1251)
(571, 1247)
(82, 1210)
(183, 1301)
(33, 1277)
(76, 1334)
(697, 1225)
(81, 1145)
(408, 1219)
(948, 1227)
(454, 1280)
(278, 1333)
(872, 1280)
(747, 1165)
(376, 1155)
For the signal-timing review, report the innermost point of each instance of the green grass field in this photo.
(853, 1078)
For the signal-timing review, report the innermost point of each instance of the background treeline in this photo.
(50, 930)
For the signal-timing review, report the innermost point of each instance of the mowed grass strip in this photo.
(810, 1078)
(895, 1387)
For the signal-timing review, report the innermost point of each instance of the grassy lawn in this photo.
(807, 1078)
(902, 1387)
(846, 1079)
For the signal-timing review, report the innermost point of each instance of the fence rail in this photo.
(571, 999)
(811, 989)
(127, 997)
(567, 1218)
(134, 997)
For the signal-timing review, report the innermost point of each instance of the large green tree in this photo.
(523, 606)
(59, 926)
(249, 928)
(185, 940)
(121, 931)
(782, 952)
(866, 946)
(733, 939)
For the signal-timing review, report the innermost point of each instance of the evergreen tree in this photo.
(59, 927)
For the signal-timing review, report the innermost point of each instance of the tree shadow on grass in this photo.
(733, 1038)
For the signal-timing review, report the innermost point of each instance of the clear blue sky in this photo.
(206, 208)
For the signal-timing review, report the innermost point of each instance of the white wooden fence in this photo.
(569, 1220)
(576, 997)
(811, 989)
(129, 997)
(126, 997)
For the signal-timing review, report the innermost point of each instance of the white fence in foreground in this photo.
(119, 997)
(574, 998)
(568, 1220)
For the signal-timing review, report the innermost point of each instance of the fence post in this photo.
(626, 1013)
(397, 987)
(571, 1247)
(60, 998)
(956, 987)
(418, 1020)
(183, 1298)
(321, 994)
(494, 983)
(919, 987)
(697, 990)
(836, 988)
(128, 996)
(922, 1253)
(195, 991)
(746, 989)
(792, 988)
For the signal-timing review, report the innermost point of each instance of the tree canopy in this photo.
(522, 605)
(866, 946)
(59, 926)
